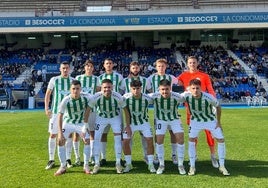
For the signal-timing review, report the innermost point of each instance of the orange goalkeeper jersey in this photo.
(206, 85)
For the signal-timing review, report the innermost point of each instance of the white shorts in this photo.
(168, 127)
(53, 124)
(161, 126)
(92, 121)
(107, 128)
(102, 123)
(145, 129)
(69, 128)
(195, 127)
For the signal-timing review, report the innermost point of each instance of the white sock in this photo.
(69, 145)
(117, 148)
(191, 153)
(221, 153)
(51, 148)
(128, 159)
(86, 154)
(96, 151)
(62, 155)
(144, 145)
(174, 148)
(180, 153)
(156, 156)
(103, 150)
(161, 153)
(150, 159)
(91, 149)
(76, 146)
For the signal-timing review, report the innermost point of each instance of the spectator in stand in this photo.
(247, 93)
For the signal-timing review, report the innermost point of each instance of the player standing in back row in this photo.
(89, 84)
(206, 86)
(59, 87)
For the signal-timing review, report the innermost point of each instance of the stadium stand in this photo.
(230, 81)
(229, 3)
(143, 5)
(40, 7)
(236, 59)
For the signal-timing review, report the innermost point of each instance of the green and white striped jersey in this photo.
(153, 81)
(115, 77)
(125, 84)
(138, 108)
(73, 109)
(107, 107)
(61, 88)
(88, 83)
(166, 109)
(201, 109)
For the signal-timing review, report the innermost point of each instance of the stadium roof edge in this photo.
(134, 28)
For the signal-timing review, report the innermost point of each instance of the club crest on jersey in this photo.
(107, 114)
(165, 112)
(137, 113)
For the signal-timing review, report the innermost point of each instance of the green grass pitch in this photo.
(24, 156)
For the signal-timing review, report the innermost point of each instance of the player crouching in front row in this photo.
(201, 106)
(166, 105)
(72, 111)
(136, 114)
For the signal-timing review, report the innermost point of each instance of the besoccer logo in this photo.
(27, 22)
(180, 19)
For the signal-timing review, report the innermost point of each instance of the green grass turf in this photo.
(24, 156)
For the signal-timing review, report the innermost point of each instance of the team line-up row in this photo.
(77, 107)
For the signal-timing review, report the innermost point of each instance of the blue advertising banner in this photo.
(135, 20)
(47, 68)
